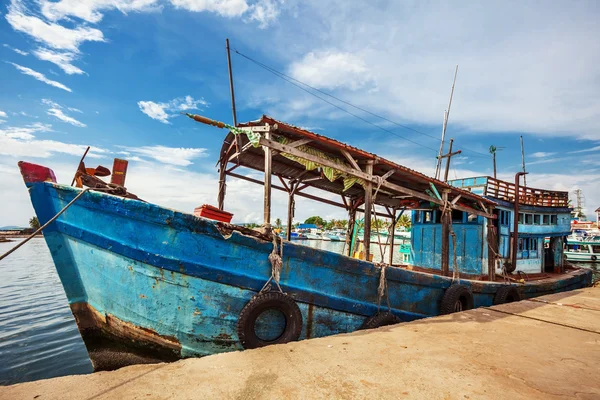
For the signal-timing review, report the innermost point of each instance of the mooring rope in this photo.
(3, 256)
(276, 260)
(382, 289)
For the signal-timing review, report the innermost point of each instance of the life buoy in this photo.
(246, 327)
(409, 203)
(380, 319)
(456, 298)
(594, 258)
(506, 294)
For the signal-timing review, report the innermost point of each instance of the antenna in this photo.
(493, 150)
(523, 160)
(444, 125)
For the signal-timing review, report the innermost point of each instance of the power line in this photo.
(292, 80)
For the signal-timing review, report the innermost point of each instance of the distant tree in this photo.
(404, 221)
(34, 223)
(278, 223)
(316, 220)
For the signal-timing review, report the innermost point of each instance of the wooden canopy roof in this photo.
(403, 187)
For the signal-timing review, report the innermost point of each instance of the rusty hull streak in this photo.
(100, 331)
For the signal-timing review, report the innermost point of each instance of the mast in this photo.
(231, 83)
(523, 161)
(444, 125)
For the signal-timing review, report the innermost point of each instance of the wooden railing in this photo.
(535, 197)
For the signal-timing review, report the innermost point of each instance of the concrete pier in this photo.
(545, 348)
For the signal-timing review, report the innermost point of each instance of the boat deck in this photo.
(544, 348)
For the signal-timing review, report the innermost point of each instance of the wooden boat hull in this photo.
(160, 284)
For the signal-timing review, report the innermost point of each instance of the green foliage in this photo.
(34, 223)
(316, 220)
(404, 221)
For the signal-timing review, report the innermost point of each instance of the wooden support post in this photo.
(445, 237)
(492, 239)
(291, 206)
(391, 233)
(368, 206)
(350, 229)
(267, 203)
(222, 184)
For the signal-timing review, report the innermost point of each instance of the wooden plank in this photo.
(350, 159)
(359, 174)
(299, 142)
(368, 206)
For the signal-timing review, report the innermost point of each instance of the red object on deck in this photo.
(119, 172)
(210, 212)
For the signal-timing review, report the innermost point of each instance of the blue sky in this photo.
(115, 74)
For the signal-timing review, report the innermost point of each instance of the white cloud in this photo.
(160, 111)
(331, 70)
(264, 12)
(56, 110)
(225, 8)
(74, 109)
(90, 10)
(65, 118)
(18, 51)
(40, 77)
(51, 34)
(154, 110)
(62, 59)
(22, 142)
(169, 155)
(541, 154)
(595, 148)
(3, 114)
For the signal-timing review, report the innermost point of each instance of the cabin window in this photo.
(504, 217)
(417, 216)
(553, 219)
(457, 216)
(437, 217)
(545, 219)
(536, 219)
(528, 219)
(520, 218)
(426, 216)
(596, 249)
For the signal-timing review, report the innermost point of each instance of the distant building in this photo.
(598, 216)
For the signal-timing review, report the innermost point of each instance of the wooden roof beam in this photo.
(363, 175)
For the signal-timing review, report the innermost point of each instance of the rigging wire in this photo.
(293, 81)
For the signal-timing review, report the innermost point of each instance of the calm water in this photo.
(38, 335)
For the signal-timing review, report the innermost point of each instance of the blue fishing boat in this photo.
(149, 283)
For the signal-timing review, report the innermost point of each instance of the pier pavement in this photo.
(544, 348)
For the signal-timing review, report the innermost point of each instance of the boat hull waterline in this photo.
(160, 284)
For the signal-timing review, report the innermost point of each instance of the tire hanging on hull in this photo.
(380, 319)
(259, 304)
(506, 294)
(456, 298)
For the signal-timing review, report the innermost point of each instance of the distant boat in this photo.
(583, 249)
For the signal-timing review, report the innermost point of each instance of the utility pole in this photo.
(448, 156)
(493, 150)
(444, 125)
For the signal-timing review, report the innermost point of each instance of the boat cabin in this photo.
(540, 214)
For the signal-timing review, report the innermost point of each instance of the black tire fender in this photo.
(506, 294)
(261, 303)
(594, 258)
(456, 298)
(380, 319)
